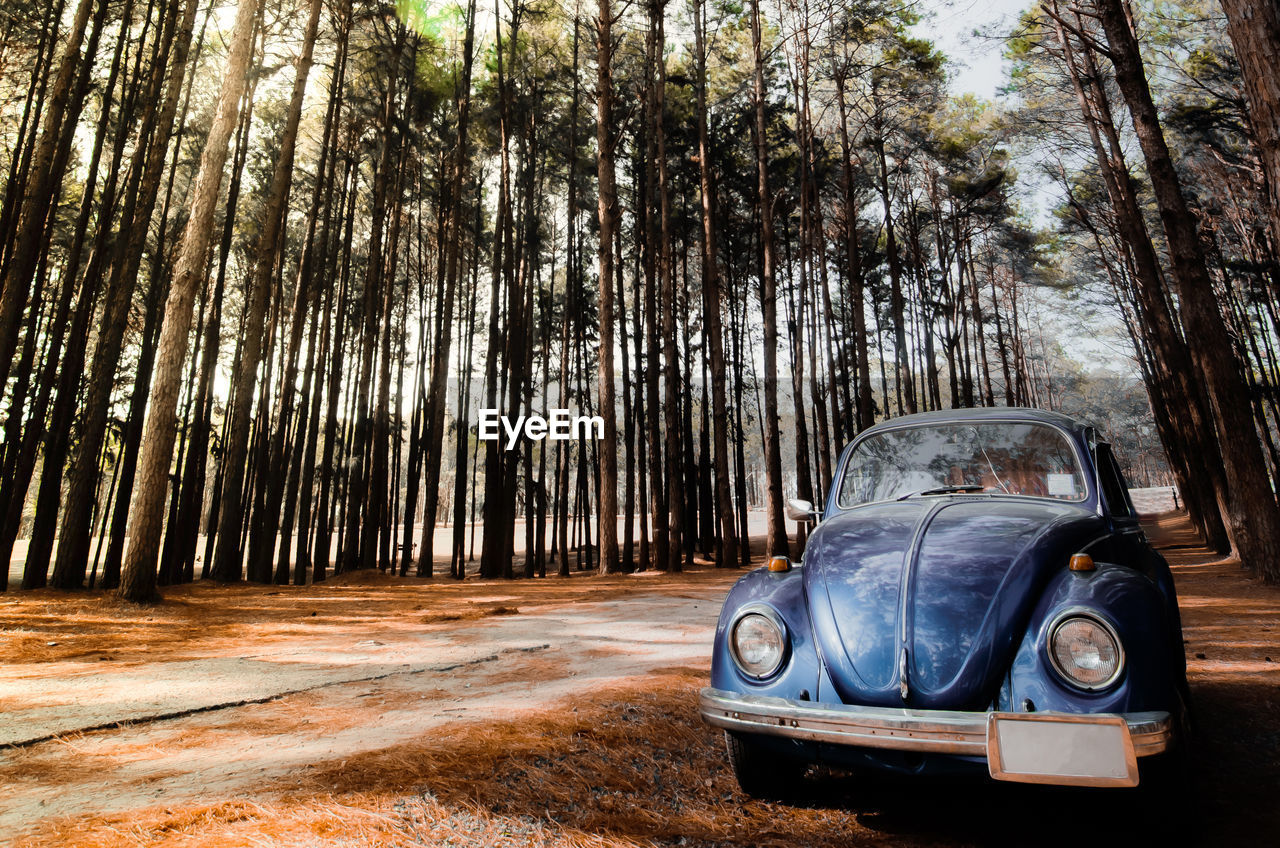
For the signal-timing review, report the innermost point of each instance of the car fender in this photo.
(1130, 603)
(783, 592)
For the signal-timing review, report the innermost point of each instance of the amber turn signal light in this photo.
(779, 563)
(1081, 562)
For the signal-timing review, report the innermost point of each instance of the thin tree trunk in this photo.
(672, 383)
(727, 556)
(865, 410)
(61, 115)
(777, 538)
(440, 362)
(606, 210)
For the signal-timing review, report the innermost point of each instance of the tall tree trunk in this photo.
(138, 574)
(146, 169)
(647, 142)
(127, 466)
(672, 384)
(434, 446)
(776, 545)
(227, 555)
(606, 209)
(865, 409)
(1255, 520)
(727, 556)
(494, 550)
(897, 303)
(364, 514)
(377, 533)
(797, 307)
(457, 560)
(61, 114)
(1254, 27)
(627, 560)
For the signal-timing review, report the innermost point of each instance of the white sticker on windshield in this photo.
(1062, 485)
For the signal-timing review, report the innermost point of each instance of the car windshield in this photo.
(1007, 458)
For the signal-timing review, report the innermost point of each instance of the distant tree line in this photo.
(263, 261)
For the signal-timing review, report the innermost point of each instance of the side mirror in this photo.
(800, 510)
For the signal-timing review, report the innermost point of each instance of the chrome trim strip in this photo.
(906, 593)
(932, 731)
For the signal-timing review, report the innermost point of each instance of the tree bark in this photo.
(776, 544)
(1254, 28)
(146, 169)
(66, 97)
(138, 574)
(227, 555)
(606, 210)
(727, 556)
(1255, 520)
(434, 439)
(672, 384)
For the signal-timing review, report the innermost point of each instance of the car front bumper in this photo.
(1066, 749)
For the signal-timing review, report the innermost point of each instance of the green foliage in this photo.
(432, 19)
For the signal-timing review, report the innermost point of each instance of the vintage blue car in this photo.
(977, 594)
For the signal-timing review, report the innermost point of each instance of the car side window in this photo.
(1114, 489)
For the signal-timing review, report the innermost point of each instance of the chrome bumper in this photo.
(932, 731)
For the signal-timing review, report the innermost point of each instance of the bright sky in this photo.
(968, 32)
(976, 65)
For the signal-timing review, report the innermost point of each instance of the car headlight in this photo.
(758, 642)
(1086, 652)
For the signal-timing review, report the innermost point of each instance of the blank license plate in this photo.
(1064, 749)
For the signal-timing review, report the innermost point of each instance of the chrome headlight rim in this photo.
(1093, 617)
(771, 615)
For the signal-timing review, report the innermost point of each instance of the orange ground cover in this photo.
(632, 765)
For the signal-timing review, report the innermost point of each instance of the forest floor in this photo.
(376, 711)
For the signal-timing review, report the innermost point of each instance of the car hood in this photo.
(950, 581)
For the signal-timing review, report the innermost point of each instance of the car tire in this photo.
(761, 773)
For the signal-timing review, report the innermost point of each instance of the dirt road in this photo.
(557, 712)
(96, 734)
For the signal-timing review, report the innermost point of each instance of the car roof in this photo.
(986, 413)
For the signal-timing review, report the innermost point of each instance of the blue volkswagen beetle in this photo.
(977, 595)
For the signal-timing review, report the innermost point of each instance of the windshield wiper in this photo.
(943, 490)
